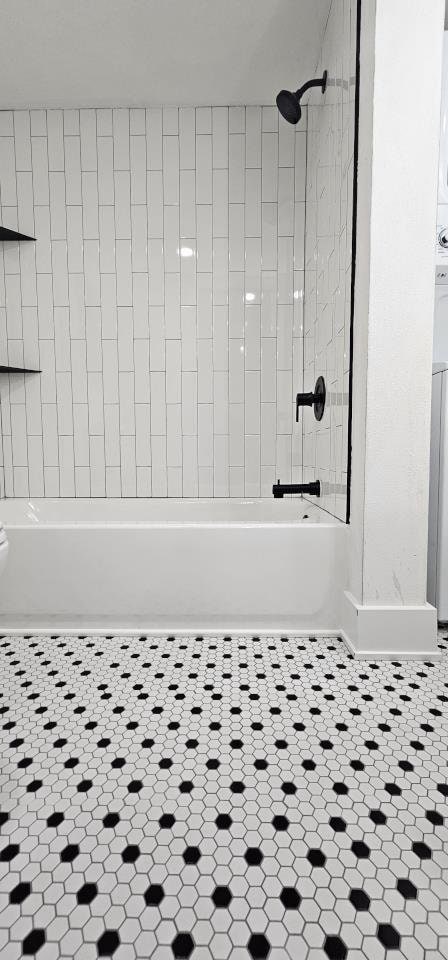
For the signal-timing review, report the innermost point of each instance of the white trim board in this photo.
(103, 627)
(391, 655)
(389, 632)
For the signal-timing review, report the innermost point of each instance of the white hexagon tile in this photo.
(221, 798)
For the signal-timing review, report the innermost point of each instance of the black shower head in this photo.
(288, 102)
(289, 105)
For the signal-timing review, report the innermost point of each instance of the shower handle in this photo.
(316, 400)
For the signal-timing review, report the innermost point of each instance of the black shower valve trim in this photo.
(316, 399)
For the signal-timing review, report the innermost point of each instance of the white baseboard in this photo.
(389, 632)
(369, 632)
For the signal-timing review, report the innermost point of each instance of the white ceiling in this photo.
(130, 52)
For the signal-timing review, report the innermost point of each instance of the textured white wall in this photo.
(328, 262)
(399, 133)
(162, 301)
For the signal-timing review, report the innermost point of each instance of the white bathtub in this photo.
(127, 565)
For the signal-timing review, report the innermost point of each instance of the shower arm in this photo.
(318, 82)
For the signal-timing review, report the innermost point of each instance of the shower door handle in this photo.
(316, 400)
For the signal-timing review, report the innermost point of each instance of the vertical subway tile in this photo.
(269, 167)
(221, 466)
(139, 236)
(121, 138)
(253, 203)
(286, 203)
(187, 138)
(55, 131)
(286, 144)
(204, 221)
(269, 234)
(187, 196)
(106, 193)
(97, 466)
(72, 154)
(138, 169)
(156, 272)
(253, 136)
(22, 139)
(58, 209)
(204, 188)
(173, 371)
(154, 138)
(122, 185)
(204, 293)
(189, 403)
(87, 129)
(140, 304)
(172, 306)
(269, 119)
(203, 120)
(236, 168)
(124, 272)
(220, 271)
(237, 120)
(158, 405)
(170, 121)
(142, 435)
(104, 125)
(89, 181)
(171, 238)
(220, 137)
(188, 272)
(71, 123)
(190, 473)
(154, 185)
(137, 121)
(300, 165)
(162, 299)
(170, 169)
(159, 469)
(220, 203)
(39, 155)
(205, 435)
(106, 226)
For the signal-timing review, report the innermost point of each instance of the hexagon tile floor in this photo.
(221, 798)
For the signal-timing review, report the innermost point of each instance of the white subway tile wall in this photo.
(328, 260)
(162, 301)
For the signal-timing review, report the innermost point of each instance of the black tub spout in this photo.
(312, 489)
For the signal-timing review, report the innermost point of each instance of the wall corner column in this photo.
(384, 612)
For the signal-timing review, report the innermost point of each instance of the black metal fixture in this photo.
(312, 489)
(288, 101)
(316, 399)
(6, 234)
(6, 369)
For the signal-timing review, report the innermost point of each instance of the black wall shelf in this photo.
(5, 369)
(6, 234)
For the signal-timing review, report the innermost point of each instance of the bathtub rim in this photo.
(170, 524)
(119, 513)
